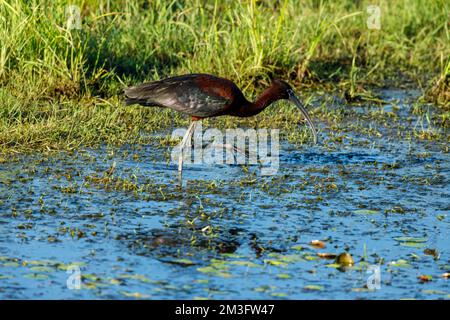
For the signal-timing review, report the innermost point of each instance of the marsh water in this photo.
(229, 233)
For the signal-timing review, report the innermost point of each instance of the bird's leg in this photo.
(187, 137)
(233, 149)
(230, 147)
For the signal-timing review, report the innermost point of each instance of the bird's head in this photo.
(285, 91)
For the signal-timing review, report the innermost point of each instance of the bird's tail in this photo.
(131, 96)
(130, 101)
(138, 95)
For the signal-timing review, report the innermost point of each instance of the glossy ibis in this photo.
(204, 96)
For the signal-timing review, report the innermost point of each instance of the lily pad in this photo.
(183, 262)
(136, 295)
(244, 263)
(71, 265)
(43, 262)
(366, 211)
(313, 287)
(400, 263)
(138, 277)
(411, 239)
(214, 272)
(413, 244)
(11, 264)
(42, 269)
(434, 292)
(279, 294)
(37, 276)
(283, 276)
(115, 282)
(363, 289)
(275, 263)
(333, 265)
(310, 257)
(262, 288)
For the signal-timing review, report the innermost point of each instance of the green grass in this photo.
(60, 88)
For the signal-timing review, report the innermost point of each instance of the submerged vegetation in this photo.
(61, 87)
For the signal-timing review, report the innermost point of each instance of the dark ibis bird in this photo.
(204, 96)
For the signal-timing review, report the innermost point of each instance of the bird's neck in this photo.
(265, 99)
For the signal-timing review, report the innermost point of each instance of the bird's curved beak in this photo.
(299, 104)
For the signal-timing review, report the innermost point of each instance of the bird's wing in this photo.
(182, 94)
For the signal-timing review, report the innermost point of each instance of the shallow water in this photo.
(230, 233)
